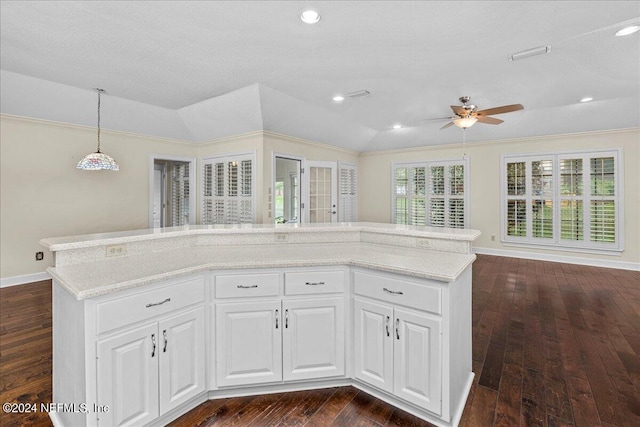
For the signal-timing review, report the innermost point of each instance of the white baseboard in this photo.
(5, 282)
(622, 265)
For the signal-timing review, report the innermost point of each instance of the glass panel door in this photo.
(322, 189)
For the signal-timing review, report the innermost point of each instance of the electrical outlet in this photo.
(281, 237)
(116, 250)
(424, 243)
(39, 256)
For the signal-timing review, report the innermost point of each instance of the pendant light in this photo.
(98, 160)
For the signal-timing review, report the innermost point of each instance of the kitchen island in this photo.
(148, 324)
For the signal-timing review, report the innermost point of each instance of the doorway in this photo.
(286, 190)
(171, 185)
(321, 180)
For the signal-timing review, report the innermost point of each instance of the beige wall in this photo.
(44, 195)
(374, 176)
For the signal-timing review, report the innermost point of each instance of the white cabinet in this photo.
(262, 340)
(182, 370)
(398, 350)
(248, 343)
(373, 354)
(128, 377)
(145, 372)
(417, 352)
(313, 338)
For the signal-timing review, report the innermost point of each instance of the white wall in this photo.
(374, 176)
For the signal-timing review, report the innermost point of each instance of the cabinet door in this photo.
(248, 343)
(417, 355)
(128, 377)
(313, 338)
(373, 332)
(181, 348)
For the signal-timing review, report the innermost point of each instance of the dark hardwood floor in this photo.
(553, 345)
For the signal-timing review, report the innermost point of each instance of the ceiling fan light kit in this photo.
(465, 122)
(540, 50)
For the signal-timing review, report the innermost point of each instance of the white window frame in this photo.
(447, 196)
(556, 242)
(225, 159)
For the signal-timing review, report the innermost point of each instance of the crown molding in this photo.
(53, 123)
(502, 141)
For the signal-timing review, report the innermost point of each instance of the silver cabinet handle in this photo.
(153, 341)
(277, 319)
(397, 328)
(387, 326)
(286, 319)
(247, 287)
(166, 341)
(313, 283)
(158, 303)
(392, 292)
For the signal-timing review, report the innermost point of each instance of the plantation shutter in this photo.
(348, 202)
(228, 195)
(568, 199)
(602, 193)
(437, 194)
(456, 203)
(431, 193)
(516, 199)
(400, 199)
(180, 194)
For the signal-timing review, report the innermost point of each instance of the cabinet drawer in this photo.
(415, 295)
(247, 285)
(313, 282)
(124, 311)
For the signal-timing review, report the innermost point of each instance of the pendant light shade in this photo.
(98, 160)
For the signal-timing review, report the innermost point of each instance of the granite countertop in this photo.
(116, 274)
(123, 237)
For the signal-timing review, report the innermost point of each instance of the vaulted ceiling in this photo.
(202, 70)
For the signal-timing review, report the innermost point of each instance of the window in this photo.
(228, 189)
(430, 193)
(565, 199)
(348, 188)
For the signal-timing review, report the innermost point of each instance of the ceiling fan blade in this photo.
(500, 110)
(459, 110)
(489, 120)
(447, 125)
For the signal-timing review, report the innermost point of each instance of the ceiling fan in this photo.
(466, 115)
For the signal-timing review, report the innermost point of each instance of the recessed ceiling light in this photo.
(338, 98)
(586, 99)
(310, 16)
(628, 30)
(397, 126)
